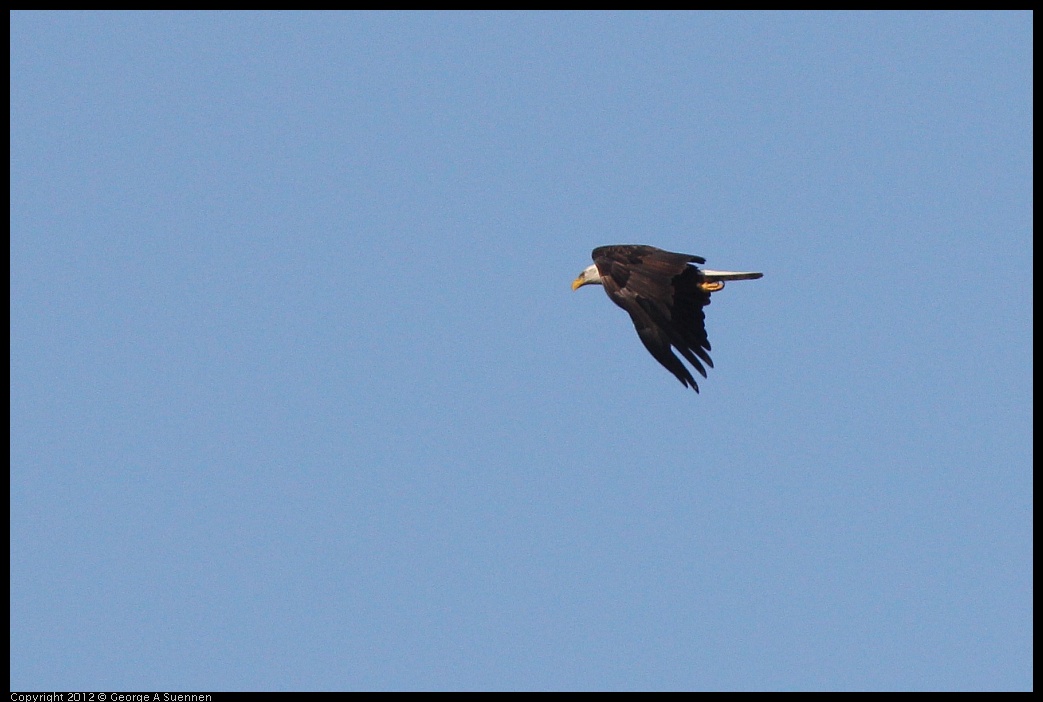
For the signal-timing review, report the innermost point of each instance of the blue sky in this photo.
(301, 398)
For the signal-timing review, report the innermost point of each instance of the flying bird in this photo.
(664, 295)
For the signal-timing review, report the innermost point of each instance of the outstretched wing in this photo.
(662, 294)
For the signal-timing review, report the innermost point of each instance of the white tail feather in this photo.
(714, 276)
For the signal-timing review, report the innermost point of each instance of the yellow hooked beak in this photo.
(579, 282)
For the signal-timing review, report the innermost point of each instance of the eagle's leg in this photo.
(712, 287)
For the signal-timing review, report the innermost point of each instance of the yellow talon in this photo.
(712, 287)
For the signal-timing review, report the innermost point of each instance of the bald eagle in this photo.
(664, 296)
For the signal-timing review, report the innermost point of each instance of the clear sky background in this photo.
(301, 397)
